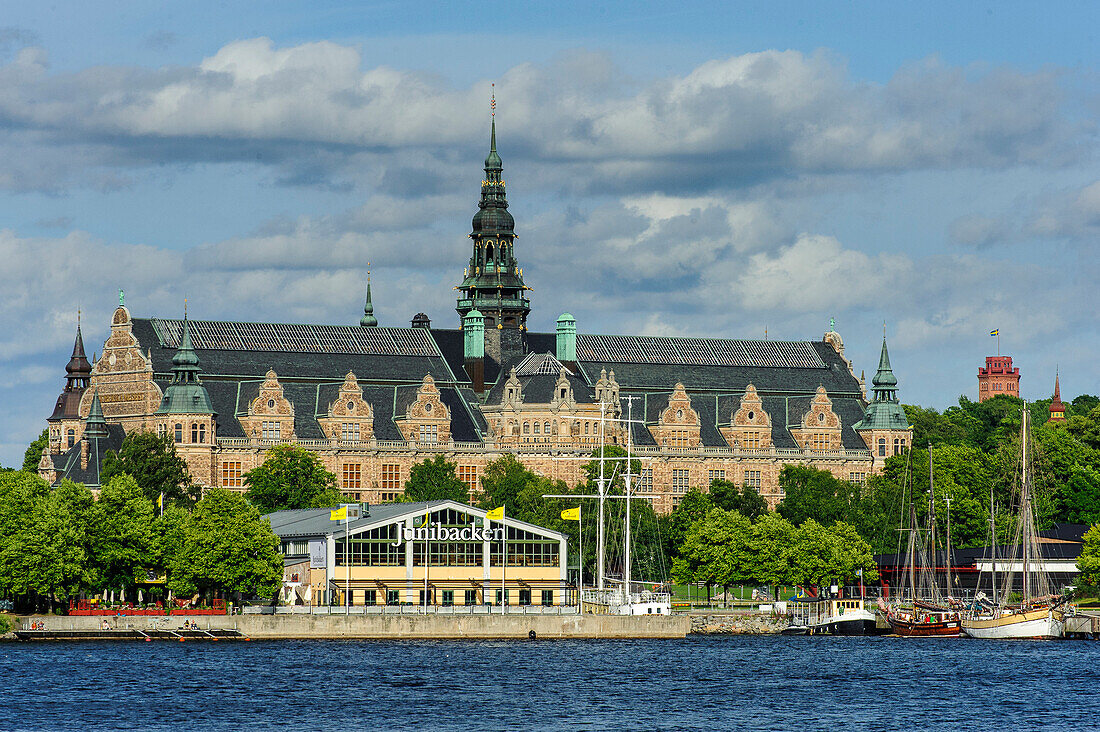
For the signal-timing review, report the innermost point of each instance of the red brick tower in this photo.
(998, 377)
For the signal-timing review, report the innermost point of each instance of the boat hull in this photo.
(1042, 623)
(932, 628)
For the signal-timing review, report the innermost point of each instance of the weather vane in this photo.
(493, 100)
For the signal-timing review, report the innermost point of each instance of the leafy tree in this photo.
(121, 533)
(714, 551)
(502, 482)
(34, 452)
(225, 545)
(1089, 561)
(435, 480)
(746, 501)
(291, 477)
(817, 494)
(770, 550)
(1079, 498)
(694, 506)
(931, 426)
(152, 461)
(64, 517)
(20, 534)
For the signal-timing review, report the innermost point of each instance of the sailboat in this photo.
(625, 599)
(1038, 613)
(930, 613)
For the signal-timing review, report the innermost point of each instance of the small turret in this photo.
(95, 426)
(186, 394)
(368, 320)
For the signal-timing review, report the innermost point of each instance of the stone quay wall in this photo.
(730, 624)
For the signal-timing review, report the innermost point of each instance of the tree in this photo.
(152, 461)
(714, 551)
(64, 517)
(20, 534)
(746, 501)
(291, 477)
(1089, 561)
(1079, 498)
(502, 482)
(815, 494)
(435, 480)
(226, 546)
(34, 452)
(694, 506)
(121, 533)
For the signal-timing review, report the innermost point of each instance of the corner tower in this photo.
(884, 426)
(493, 283)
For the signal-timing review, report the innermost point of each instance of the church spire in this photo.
(1057, 408)
(884, 382)
(884, 411)
(368, 320)
(78, 370)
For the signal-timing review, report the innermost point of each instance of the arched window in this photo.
(178, 432)
(526, 428)
(72, 437)
(546, 428)
(202, 433)
(882, 447)
(536, 428)
(586, 428)
(194, 432)
(488, 252)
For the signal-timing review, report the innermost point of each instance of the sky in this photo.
(698, 168)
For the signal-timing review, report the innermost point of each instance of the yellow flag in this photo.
(160, 501)
(572, 514)
(338, 514)
(497, 514)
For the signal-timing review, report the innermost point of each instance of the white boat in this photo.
(1038, 613)
(832, 615)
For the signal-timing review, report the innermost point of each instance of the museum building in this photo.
(372, 401)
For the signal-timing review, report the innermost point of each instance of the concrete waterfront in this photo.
(398, 626)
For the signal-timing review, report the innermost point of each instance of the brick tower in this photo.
(998, 377)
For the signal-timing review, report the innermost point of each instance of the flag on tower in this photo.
(994, 332)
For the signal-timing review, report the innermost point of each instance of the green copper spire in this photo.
(95, 425)
(186, 394)
(884, 411)
(368, 320)
(493, 282)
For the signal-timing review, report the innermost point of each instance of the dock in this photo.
(131, 634)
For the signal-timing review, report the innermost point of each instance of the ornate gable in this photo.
(427, 419)
(123, 375)
(270, 415)
(350, 418)
(679, 424)
(750, 427)
(563, 393)
(820, 428)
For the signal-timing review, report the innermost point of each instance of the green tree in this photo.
(64, 517)
(291, 477)
(1079, 498)
(226, 546)
(152, 461)
(502, 482)
(434, 479)
(1089, 561)
(809, 493)
(21, 535)
(714, 551)
(121, 534)
(746, 501)
(770, 550)
(34, 452)
(694, 506)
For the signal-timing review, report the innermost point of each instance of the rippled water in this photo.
(702, 682)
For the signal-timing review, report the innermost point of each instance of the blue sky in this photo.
(703, 168)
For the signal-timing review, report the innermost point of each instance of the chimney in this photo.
(567, 341)
(473, 349)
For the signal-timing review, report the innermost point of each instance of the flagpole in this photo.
(503, 562)
(347, 567)
(580, 557)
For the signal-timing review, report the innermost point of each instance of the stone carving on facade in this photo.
(819, 430)
(679, 424)
(270, 416)
(349, 418)
(750, 427)
(427, 419)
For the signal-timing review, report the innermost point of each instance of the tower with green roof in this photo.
(884, 426)
(185, 394)
(493, 282)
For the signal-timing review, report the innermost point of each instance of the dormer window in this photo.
(562, 394)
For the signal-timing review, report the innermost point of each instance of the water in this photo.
(767, 683)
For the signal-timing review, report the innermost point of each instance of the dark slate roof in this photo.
(68, 405)
(67, 464)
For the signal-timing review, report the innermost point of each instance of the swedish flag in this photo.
(995, 332)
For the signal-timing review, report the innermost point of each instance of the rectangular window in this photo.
(162, 431)
(388, 497)
(370, 597)
(425, 598)
(857, 478)
(448, 598)
(547, 598)
(393, 597)
(751, 441)
(202, 434)
(194, 433)
(506, 601)
(178, 432)
(391, 478)
(645, 481)
(752, 478)
(468, 475)
(525, 596)
(270, 430)
(679, 481)
(713, 475)
(819, 442)
(429, 434)
(470, 597)
(352, 479)
(231, 475)
(349, 432)
(678, 438)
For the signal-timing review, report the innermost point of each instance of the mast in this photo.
(601, 489)
(626, 533)
(947, 546)
(993, 543)
(912, 549)
(1025, 514)
(932, 526)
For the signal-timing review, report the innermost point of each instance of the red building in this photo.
(998, 377)
(1057, 409)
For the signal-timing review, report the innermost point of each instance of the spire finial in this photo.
(78, 318)
(185, 308)
(884, 330)
(832, 323)
(121, 298)
(493, 100)
(368, 320)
